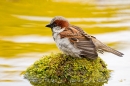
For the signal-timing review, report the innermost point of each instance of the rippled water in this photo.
(20, 50)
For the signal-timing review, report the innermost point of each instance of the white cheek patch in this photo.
(58, 29)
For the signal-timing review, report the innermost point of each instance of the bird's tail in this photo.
(111, 50)
(99, 45)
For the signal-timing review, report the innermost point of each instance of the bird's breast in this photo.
(62, 43)
(65, 46)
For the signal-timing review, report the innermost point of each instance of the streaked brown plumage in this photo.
(82, 44)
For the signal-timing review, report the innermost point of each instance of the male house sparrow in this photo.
(73, 41)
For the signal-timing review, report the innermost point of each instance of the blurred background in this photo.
(24, 37)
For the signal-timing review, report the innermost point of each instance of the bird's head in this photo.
(59, 22)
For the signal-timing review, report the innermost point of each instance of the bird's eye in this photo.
(54, 25)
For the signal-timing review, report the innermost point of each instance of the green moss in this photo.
(62, 69)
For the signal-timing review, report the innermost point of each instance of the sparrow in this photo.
(73, 41)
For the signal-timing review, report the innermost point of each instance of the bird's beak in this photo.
(49, 25)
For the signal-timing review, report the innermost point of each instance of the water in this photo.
(23, 41)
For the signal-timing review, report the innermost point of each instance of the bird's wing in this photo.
(80, 41)
(99, 45)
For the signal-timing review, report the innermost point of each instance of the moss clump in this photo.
(62, 69)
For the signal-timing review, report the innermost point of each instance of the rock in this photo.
(61, 70)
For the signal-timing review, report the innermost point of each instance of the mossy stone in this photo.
(60, 69)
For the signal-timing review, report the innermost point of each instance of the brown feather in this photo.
(61, 23)
(103, 47)
(80, 41)
(99, 45)
(71, 32)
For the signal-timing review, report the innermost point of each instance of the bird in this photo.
(75, 42)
